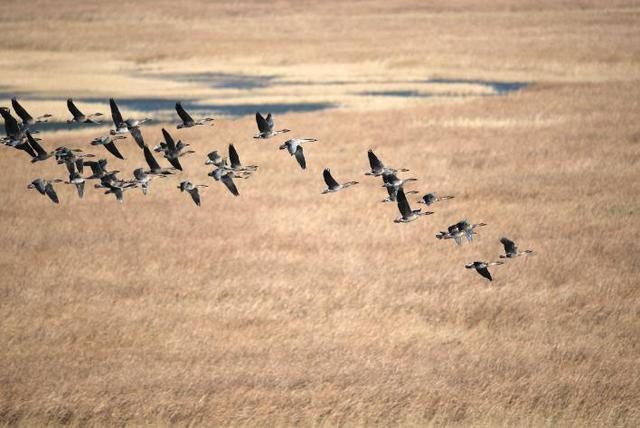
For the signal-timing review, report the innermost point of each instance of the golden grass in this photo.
(284, 306)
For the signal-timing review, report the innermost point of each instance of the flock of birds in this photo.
(19, 135)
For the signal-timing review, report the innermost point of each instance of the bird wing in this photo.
(111, 147)
(331, 182)
(73, 109)
(233, 157)
(403, 204)
(27, 148)
(269, 120)
(228, 181)
(171, 144)
(175, 163)
(137, 136)
(11, 126)
(195, 195)
(34, 144)
(51, 193)
(374, 162)
(80, 165)
(263, 125)
(186, 118)
(485, 272)
(115, 114)
(80, 188)
(300, 157)
(151, 161)
(509, 246)
(71, 167)
(20, 111)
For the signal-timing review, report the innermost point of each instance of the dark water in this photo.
(221, 80)
(500, 87)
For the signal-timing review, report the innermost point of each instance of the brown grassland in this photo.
(284, 306)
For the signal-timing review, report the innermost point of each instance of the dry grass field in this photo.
(287, 307)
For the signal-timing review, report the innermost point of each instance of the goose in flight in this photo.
(187, 186)
(41, 154)
(75, 178)
(511, 249)
(265, 126)
(154, 166)
(187, 120)
(431, 198)
(123, 126)
(390, 179)
(226, 176)
(483, 268)
(79, 117)
(407, 214)
(141, 179)
(467, 228)
(14, 132)
(108, 141)
(66, 155)
(236, 165)
(172, 150)
(214, 158)
(45, 187)
(98, 169)
(377, 167)
(332, 184)
(294, 147)
(27, 119)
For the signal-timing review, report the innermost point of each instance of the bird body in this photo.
(332, 184)
(482, 268)
(187, 120)
(406, 213)
(511, 249)
(294, 147)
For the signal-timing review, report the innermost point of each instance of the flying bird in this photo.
(187, 186)
(79, 117)
(75, 178)
(226, 176)
(236, 165)
(123, 126)
(431, 198)
(482, 268)
(108, 142)
(265, 126)
(45, 187)
(294, 147)
(377, 167)
(187, 120)
(171, 150)
(511, 249)
(407, 214)
(27, 119)
(41, 154)
(332, 184)
(154, 166)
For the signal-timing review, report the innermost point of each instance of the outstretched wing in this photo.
(374, 162)
(263, 125)
(137, 136)
(11, 126)
(151, 161)
(73, 109)
(485, 272)
(34, 144)
(186, 118)
(111, 147)
(403, 204)
(300, 157)
(510, 247)
(233, 157)
(171, 144)
(195, 195)
(175, 163)
(51, 193)
(20, 111)
(27, 148)
(115, 114)
(228, 181)
(331, 182)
